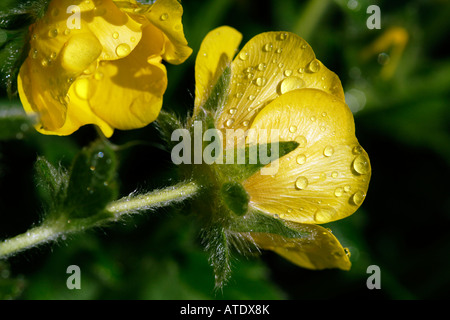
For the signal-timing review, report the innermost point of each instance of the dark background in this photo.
(402, 121)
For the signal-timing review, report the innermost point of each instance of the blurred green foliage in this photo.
(402, 121)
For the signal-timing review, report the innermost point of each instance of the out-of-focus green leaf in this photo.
(14, 123)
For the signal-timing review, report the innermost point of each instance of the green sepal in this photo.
(217, 97)
(235, 197)
(257, 221)
(240, 172)
(53, 183)
(216, 244)
(92, 181)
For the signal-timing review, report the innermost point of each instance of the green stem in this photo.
(52, 230)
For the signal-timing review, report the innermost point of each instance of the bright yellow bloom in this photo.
(276, 82)
(104, 68)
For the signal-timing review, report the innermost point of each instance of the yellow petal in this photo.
(127, 93)
(37, 99)
(269, 65)
(327, 176)
(166, 16)
(321, 251)
(212, 60)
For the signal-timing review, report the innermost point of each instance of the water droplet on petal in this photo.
(123, 50)
(314, 66)
(115, 35)
(292, 129)
(290, 84)
(357, 150)
(164, 17)
(262, 66)
(361, 164)
(260, 81)
(301, 183)
(268, 47)
(323, 215)
(301, 159)
(53, 33)
(328, 151)
(279, 50)
(232, 111)
(229, 122)
(358, 198)
(301, 141)
(243, 55)
(334, 174)
(338, 192)
(347, 252)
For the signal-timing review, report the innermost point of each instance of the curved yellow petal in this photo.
(37, 99)
(166, 16)
(269, 65)
(127, 93)
(327, 176)
(113, 28)
(212, 60)
(321, 251)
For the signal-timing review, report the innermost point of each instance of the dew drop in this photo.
(115, 35)
(338, 192)
(67, 32)
(279, 50)
(358, 198)
(361, 164)
(324, 215)
(334, 174)
(328, 151)
(282, 36)
(92, 168)
(276, 216)
(35, 54)
(347, 188)
(245, 123)
(251, 97)
(314, 66)
(164, 17)
(292, 129)
(53, 33)
(347, 252)
(301, 183)
(123, 50)
(268, 47)
(100, 155)
(301, 70)
(243, 56)
(301, 159)
(357, 150)
(260, 81)
(301, 141)
(229, 122)
(288, 73)
(262, 66)
(232, 111)
(290, 84)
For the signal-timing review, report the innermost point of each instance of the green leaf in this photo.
(92, 181)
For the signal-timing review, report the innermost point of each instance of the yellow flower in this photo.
(100, 65)
(276, 82)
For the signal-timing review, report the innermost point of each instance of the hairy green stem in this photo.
(52, 230)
